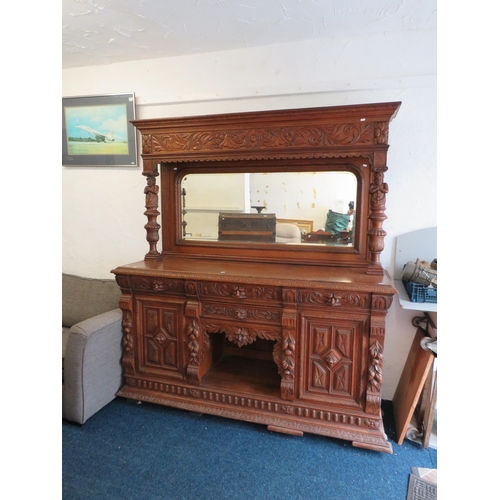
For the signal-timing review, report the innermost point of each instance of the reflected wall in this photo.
(301, 198)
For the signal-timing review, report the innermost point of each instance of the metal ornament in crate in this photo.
(419, 273)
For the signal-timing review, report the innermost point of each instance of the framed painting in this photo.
(96, 131)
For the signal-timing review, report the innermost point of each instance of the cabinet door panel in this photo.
(159, 332)
(332, 360)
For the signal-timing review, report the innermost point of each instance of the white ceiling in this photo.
(96, 32)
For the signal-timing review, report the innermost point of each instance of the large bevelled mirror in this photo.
(313, 208)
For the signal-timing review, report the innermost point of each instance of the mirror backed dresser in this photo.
(289, 335)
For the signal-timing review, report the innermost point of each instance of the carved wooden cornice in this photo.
(300, 133)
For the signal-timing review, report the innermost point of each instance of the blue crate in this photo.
(420, 293)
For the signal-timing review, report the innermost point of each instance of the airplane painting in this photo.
(97, 130)
(99, 136)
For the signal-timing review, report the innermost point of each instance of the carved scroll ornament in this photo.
(265, 138)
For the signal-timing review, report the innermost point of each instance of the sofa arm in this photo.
(92, 368)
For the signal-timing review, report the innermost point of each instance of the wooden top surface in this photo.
(291, 275)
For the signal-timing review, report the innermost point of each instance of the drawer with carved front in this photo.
(156, 285)
(241, 313)
(239, 292)
(334, 298)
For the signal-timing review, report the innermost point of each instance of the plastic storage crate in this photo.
(420, 293)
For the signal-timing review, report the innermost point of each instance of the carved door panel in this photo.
(332, 353)
(159, 335)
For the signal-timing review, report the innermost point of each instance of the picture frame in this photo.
(96, 131)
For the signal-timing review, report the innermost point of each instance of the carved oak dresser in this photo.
(287, 335)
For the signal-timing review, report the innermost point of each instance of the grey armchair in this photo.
(91, 345)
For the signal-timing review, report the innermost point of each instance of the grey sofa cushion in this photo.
(92, 373)
(83, 298)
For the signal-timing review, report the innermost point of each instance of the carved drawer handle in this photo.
(239, 293)
(333, 301)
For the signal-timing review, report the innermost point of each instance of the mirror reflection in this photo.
(287, 208)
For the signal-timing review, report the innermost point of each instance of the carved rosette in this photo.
(147, 143)
(152, 227)
(381, 133)
(239, 335)
(190, 287)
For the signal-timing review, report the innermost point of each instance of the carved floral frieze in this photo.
(242, 313)
(239, 291)
(152, 284)
(265, 138)
(242, 335)
(335, 299)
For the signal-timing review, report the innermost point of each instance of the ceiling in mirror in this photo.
(314, 208)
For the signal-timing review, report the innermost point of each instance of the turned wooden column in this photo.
(152, 227)
(376, 234)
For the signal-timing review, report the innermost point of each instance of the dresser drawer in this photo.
(240, 292)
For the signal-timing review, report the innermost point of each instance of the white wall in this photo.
(103, 221)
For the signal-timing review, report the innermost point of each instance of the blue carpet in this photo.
(132, 451)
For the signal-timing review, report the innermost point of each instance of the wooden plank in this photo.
(410, 385)
(428, 420)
